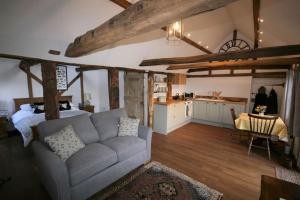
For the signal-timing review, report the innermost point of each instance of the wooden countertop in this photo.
(225, 101)
(168, 102)
(221, 101)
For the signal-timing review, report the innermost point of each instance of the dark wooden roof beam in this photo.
(262, 62)
(240, 68)
(265, 52)
(139, 18)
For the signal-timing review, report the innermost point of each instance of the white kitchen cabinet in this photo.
(227, 118)
(216, 113)
(199, 110)
(169, 117)
(213, 112)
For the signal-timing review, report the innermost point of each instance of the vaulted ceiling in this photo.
(32, 27)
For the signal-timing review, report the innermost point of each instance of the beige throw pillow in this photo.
(65, 142)
(128, 126)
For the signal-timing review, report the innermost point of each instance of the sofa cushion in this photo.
(65, 142)
(126, 146)
(89, 161)
(128, 126)
(81, 124)
(107, 123)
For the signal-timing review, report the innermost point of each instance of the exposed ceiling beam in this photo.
(234, 35)
(240, 68)
(83, 69)
(139, 18)
(125, 4)
(256, 16)
(255, 75)
(261, 62)
(32, 61)
(232, 55)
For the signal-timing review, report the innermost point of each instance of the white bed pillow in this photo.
(128, 126)
(65, 142)
(26, 107)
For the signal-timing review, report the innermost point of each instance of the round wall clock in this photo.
(234, 45)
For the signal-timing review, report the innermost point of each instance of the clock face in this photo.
(234, 45)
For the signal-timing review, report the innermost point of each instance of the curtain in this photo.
(294, 122)
(296, 111)
(288, 108)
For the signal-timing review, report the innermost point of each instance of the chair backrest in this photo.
(262, 125)
(233, 115)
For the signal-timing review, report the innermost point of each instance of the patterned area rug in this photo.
(158, 182)
(288, 175)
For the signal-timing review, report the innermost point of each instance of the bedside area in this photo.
(88, 108)
(3, 127)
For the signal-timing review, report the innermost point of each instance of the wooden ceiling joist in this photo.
(24, 66)
(240, 68)
(81, 67)
(256, 16)
(122, 3)
(139, 18)
(125, 4)
(261, 62)
(233, 55)
(254, 75)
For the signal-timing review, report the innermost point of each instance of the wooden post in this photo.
(50, 91)
(113, 85)
(26, 68)
(81, 88)
(150, 98)
(169, 85)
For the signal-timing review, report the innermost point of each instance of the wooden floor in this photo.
(202, 152)
(207, 154)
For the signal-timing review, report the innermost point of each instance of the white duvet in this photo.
(23, 120)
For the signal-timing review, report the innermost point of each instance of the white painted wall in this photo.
(230, 86)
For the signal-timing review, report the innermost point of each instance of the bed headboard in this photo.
(20, 101)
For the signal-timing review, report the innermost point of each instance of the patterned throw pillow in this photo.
(65, 142)
(128, 127)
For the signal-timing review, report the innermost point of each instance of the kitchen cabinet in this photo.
(179, 79)
(226, 114)
(199, 110)
(169, 117)
(216, 113)
(213, 112)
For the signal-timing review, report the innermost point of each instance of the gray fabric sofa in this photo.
(105, 158)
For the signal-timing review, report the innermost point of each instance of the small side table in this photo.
(3, 127)
(273, 188)
(88, 108)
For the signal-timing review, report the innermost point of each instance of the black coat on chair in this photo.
(260, 100)
(272, 103)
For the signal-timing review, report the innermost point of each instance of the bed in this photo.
(23, 120)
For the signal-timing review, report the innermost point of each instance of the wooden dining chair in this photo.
(236, 131)
(261, 127)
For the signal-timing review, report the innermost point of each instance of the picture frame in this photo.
(61, 77)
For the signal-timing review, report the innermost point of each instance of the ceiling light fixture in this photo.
(175, 31)
(260, 20)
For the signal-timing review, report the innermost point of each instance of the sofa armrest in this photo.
(53, 172)
(146, 134)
